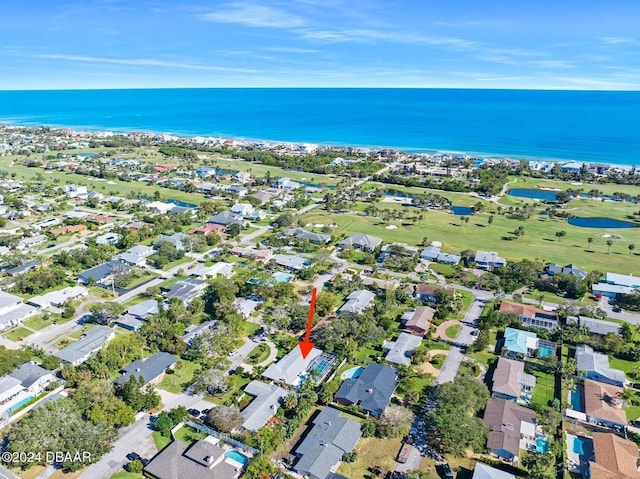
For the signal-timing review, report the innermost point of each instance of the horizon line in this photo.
(20, 90)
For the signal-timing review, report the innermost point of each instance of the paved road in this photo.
(247, 239)
(604, 305)
(464, 338)
(6, 474)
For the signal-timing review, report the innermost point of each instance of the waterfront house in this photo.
(286, 184)
(595, 366)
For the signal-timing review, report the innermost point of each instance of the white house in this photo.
(243, 209)
(110, 238)
(74, 191)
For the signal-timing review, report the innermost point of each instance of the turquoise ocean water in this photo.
(575, 125)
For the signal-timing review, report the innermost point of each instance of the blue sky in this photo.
(567, 44)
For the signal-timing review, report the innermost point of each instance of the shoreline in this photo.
(363, 148)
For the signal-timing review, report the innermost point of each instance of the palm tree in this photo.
(589, 241)
(631, 247)
(490, 220)
(560, 235)
(609, 243)
(627, 395)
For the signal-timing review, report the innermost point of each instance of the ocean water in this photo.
(576, 125)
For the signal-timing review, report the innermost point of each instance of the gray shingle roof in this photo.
(482, 471)
(291, 366)
(372, 390)
(264, 405)
(93, 340)
(29, 373)
(357, 302)
(187, 289)
(149, 369)
(591, 361)
(400, 349)
(330, 438)
(361, 241)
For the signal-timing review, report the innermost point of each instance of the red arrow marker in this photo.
(306, 346)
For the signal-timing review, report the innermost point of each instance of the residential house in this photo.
(291, 366)
(399, 351)
(262, 255)
(13, 311)
(239, 191)
(616, 285)
(33, 377)
(205, 171)
(526, 344)
(243, 209)
(159, 208)
(361, 241)
(603, 404)
(136, 255)
(433, 253)
(489, 260)
(286, 184)
(357, 302)
(290, 262)
(204, 459)
(227, 218)
(45, 224)
(30, 242)
(187, 289)
(184, 210)
(195, 330)
(482, 471)
(74, 191)
(303, 234)
(79, 351)
(531, 316)
(68, 230)
(150, 370)
(103, 272)
(243, 177)
(613, 458)
(331, 437)
(246, 306)
(596, 326)
(208, 229)
(176, 239)
(222, 269)
(58, 298)
(263, 196)
(595, 366)
(135, 316)
(11, 395)
(266, 401)
(419, 320)
(570, 269)
(511, 382)
(627, 280)
(24, 268)
(110, 238)
(100, 220)
(372, 390)
(512, 427)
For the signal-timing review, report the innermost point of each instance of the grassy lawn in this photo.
(236, 383)
(17, 334)
(486, 355)
(437, 360)
(142, 279)
(170, 282)
(181, 377)
(545, 386)
(258, 169)
(173, 264)
(535, 294)
(127, 475)
(259, 354)
(452, 331)
(445, 270)
(538, 242)
(624, 365)
(160, 441)
(372, 452)
(189, 434)
(249, 329)
(81, 331)
(367, 354)
(39, 322)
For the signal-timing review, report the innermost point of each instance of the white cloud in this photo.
(255, 15)
(150, 62)
(293, 50)
(615, 40)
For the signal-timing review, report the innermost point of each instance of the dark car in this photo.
(617, 309)
(475, 332)
(445, 471)
(132, 456)
(194, 412)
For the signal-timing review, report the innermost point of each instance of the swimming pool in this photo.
(283, 277)
(19, 404)
(544, 351)
(582, 446)
(542, 444)
(237, 456)
(322, 366)
(576, 400)
(352, 373)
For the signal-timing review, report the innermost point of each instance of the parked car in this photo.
(194, 412)
(475, 332)
(445, 471)
(132, 456)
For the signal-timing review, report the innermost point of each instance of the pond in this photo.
(533, 193)
(461, 210)
(600, 222)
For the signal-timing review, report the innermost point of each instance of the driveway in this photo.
(6, 474)
(604, 305)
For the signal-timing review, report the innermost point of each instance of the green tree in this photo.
(589, 241)
(631, 247)
(609, 244)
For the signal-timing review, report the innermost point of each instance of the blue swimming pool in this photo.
(542, 445)
(544, 352)
(237, 456)
(283, 277)
(576, 400)
(18, 405)
(352, 373)
(583, 446)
